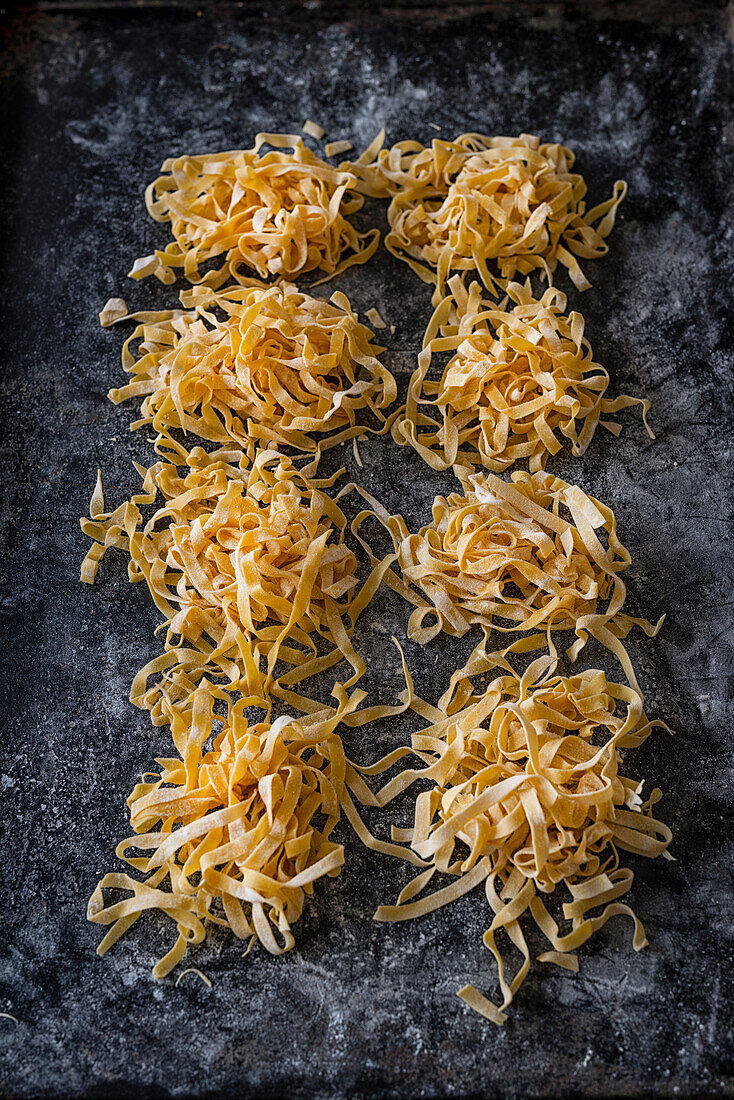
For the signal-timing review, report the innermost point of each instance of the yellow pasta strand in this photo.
(247, 568)
(230, 833)
(532, 553)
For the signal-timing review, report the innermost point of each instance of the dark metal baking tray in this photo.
(94, 96)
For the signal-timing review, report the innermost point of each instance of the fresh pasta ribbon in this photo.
(521, 382)
(283, 212)
(500, 206)
(256, 363)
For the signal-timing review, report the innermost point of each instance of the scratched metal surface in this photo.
(93, 98)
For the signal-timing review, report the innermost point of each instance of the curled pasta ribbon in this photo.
(257, 363)
(520, 383)
(282, 212)
(529, 554)
(247, 568)
(235, 834)
(500, 206)
(526, 795)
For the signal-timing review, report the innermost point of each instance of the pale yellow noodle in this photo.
(521, 555)
(247, 566)
(230, 832)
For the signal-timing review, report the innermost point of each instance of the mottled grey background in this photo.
(93, 98)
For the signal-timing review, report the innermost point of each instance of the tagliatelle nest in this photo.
(504, 555)
(526, 795)
(279, 367)
(277, 212)
(236, 834)
(520, 382)
(246, 567)
(501, 206)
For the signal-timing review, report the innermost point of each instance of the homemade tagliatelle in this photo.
(521, 382)
(282, 212)
(256, 362)
(521, 555)
(236, 830)
(247, 568)
(526, 795)
(247, 560)
(500, 206)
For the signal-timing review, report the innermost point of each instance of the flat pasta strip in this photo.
(500, 206)
(257, 363)
(236, 834)
(526, 795)
(283, 212)
(313, 129)
(521, 382)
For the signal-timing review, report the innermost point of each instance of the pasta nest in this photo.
(282, 212)
(543, 747)
(527, 794)
(509, 202)
(243, 823)
(520, 382)
(246, 568)
(257, 363)
(533, 553)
